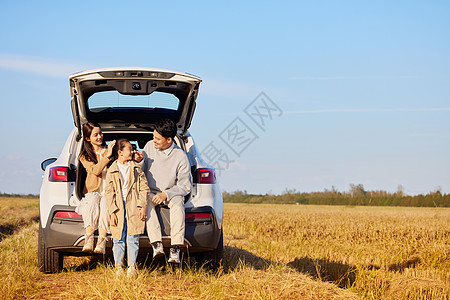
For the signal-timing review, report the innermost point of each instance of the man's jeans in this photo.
(132, 242)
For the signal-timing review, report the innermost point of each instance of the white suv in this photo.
(126, 102)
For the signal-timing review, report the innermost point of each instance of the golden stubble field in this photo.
(271, 252)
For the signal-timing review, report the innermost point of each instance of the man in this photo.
(169, 177)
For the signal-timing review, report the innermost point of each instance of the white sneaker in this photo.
(174, 256)
(131, 272)
(158, 249)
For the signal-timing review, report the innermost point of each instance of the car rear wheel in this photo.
(214, 258)
(49, 261)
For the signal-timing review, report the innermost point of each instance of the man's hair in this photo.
(166, 128)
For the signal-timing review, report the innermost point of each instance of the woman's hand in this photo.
(113, 220)
(110, 148)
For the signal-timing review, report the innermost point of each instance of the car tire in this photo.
(49, 261)
(214, 259)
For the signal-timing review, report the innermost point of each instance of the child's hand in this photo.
(113, 220)
(110, 148)
(142, 214)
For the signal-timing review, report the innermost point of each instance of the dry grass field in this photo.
(375, 252)
(271, 252)
(16, 213)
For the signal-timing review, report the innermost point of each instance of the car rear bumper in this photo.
(201, 234)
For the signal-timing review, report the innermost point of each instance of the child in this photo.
(126, 194)
(95, 157)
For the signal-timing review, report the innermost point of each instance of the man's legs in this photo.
(177, 227)
(154, 229)
(152, 223)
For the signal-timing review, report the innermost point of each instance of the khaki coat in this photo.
(137, 196)
(94, 174)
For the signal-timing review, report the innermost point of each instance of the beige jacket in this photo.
(94, 173)
(137, 196)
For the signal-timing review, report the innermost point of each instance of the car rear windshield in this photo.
(113, 101)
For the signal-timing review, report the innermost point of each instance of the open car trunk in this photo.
(133, 97)
(127, 102)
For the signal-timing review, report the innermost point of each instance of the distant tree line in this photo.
(5, 195)
(357, 195)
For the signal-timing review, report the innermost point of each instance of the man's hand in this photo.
(142, 214)
(159, 198)
(138, 156)
(113, 220)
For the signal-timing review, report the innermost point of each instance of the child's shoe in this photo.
(158, 249)
(88, 242)
(131, 272)
(119, 271)
(101, 244)
(174, 256)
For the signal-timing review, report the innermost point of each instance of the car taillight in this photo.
(68, 215)
(197, 216)
(206, 175)
(60, 174)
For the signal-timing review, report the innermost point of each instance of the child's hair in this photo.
(88, 151)
(120, 144)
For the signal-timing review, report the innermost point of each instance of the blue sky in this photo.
(362, 86)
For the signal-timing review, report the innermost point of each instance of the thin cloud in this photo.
(11, 157)
(345, 110)
(349, 77)
(224, 88)
(38, 65)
